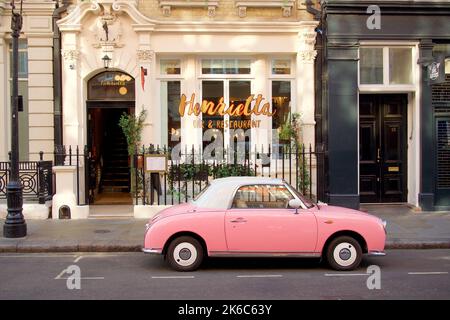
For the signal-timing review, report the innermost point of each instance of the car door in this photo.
(259, 221)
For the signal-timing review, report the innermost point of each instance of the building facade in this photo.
(35, 79)
(385, 102)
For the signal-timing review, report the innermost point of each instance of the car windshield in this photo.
(200, 194)
(308, 203)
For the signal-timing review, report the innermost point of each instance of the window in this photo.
(281, 66)
(170, 66)
(262, 196)
(23, 91)
(226, 66)
(400, 66)
(170, 99)
(386, 66)
(371, 65)
(111, 85)
(23, 58)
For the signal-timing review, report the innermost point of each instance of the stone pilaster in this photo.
(306, 56)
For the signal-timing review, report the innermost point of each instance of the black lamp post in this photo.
(106, 61)
(15, 225)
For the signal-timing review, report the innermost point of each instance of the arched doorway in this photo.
(110, 95)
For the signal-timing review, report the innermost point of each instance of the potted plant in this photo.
(132, 127)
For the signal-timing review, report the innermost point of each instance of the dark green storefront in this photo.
(348, 118)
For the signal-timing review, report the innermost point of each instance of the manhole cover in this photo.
(102, 231)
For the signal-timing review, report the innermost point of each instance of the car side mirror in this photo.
(295, 204)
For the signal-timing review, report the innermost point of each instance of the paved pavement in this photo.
(406, 229)
(404, 274)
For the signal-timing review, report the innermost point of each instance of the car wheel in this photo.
(344, 253)
(185, 254)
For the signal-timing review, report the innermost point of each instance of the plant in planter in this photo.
(290, 134)
(132, 127)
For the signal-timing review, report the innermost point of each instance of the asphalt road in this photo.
(405, 274)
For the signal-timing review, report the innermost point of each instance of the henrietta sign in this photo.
(210, 108)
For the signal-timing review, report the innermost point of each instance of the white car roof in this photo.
(220, 192)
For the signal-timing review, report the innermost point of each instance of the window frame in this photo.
(386, 85)
(284, 184)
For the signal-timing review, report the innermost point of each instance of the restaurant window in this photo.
(170, 66)
(226, 66)
(262, 197)
(281, 66)
(281, 105)
(170, 100)
(231, 92)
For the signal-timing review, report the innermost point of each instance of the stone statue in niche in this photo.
(108, 30)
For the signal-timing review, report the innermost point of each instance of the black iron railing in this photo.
(189, 170)
(35, 176)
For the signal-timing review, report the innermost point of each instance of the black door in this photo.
(383, 147)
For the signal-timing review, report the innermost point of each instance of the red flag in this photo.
(143, 75)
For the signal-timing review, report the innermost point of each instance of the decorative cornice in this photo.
(140, 23)
(285, 5)
(307, 41)
(145, 56)
(166, 5)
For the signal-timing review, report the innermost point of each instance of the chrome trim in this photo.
(264, 254)
(152, 251)
(376, 253)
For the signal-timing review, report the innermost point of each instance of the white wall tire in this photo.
(344, 253)
(185, 254)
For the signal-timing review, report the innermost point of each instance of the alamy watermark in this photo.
(374, 21)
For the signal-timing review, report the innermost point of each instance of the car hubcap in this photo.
(345, 254)
(185, 254)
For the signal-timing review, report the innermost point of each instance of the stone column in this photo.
(305, 103)
(71, 89)
(40, 100)
(146, 70)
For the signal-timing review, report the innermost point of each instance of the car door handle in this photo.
(238, 220)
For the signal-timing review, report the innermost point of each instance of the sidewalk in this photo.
(406, 229)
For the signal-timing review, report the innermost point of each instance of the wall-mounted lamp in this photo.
(106, 61)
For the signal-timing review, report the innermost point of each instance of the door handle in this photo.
(378, 154)
(238, 220)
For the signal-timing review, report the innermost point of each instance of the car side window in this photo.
(262, 196)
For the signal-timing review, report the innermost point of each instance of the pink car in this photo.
(260, 217)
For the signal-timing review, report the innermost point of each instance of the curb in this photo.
(36, 248)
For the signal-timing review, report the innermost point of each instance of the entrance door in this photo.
(110, 95)
(383, 147)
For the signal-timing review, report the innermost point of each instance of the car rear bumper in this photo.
(376, 253)
(152, 251)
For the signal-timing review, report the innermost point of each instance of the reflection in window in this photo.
(170, 100)
(262, 196)
(212, 91)
(281, 66)
(371, 65)
(239, 92)
(226, 66)
(400, 66)
(281, 105)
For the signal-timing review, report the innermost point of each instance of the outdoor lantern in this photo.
(106, 61)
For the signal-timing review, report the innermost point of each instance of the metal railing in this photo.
(189, 171)
(35, 176)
